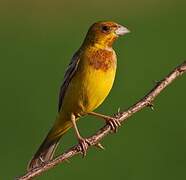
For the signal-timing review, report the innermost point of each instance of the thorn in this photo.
(151, 106)
(99, 145)
(66, 160)
(118, 112)
(156, 82)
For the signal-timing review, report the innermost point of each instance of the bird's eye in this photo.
(105, 28)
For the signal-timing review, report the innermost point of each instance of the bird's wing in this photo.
(72, 67)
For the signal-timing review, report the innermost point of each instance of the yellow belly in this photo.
(96, 87)
(87, 90)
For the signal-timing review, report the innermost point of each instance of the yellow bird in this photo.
(87, 82)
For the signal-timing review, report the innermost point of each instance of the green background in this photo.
(37, 40)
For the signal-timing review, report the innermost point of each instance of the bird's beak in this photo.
(121, 30)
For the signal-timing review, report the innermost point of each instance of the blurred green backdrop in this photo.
(37, 40)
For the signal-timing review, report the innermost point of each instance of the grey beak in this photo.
(121, 30)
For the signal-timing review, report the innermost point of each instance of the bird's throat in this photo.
(102, 59)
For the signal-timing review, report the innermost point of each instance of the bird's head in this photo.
(104, 33)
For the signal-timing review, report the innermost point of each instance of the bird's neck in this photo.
(101, 46)
(100, 43)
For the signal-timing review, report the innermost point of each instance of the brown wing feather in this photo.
(72, 67)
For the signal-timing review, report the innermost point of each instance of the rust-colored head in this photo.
(104, 33)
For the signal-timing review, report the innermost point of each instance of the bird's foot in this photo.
(41, 159)
(84, 143)
(114, 124)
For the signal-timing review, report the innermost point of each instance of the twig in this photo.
(121, 116)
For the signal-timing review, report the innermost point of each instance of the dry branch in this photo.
(146, 101)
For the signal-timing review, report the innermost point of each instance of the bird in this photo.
(87, 82)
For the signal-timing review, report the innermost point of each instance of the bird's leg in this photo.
(113, 122)
(83, 142)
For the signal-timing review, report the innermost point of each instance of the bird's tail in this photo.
(49, 145)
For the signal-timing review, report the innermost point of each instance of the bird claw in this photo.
(84, 143)
(114, 124)
(41, 159)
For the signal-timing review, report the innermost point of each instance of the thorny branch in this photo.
(146, 101)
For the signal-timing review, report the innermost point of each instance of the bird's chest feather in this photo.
(100, 68)
(98, 77)
(102, 59)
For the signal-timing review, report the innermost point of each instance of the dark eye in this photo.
(105, 28)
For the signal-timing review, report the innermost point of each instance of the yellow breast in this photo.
(92, 82)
